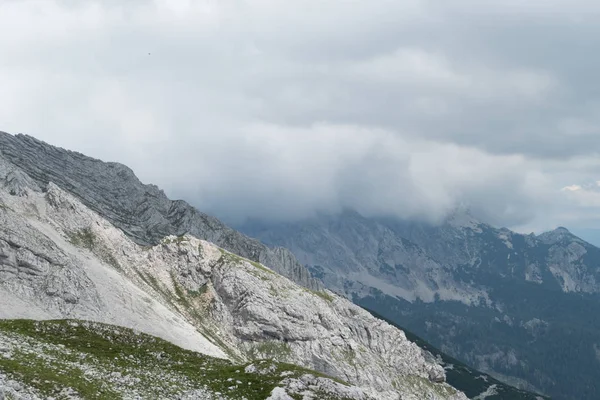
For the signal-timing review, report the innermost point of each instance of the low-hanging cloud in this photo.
(270, 109)
(279, 172)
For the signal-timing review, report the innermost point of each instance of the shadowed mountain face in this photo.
(143, 212)
(473, 383)
(522, 307)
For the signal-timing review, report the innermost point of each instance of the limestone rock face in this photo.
(61, 259)
(267, 316)
(41, 272)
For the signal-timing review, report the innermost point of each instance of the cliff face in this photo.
(60, 259)
(142, 211)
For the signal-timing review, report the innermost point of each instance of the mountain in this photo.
(474, 384)
(143, 212)
(520, 307)
(94, 310)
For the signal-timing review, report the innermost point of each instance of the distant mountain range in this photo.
(522, 307)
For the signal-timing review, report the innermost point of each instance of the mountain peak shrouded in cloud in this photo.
(278, 111)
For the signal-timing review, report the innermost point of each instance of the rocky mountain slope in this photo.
(353, 254)
(504, 302)
(143, 212)
(60, 259)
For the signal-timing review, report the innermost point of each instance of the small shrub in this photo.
(83, 238)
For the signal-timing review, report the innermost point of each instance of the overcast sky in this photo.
(277, 109)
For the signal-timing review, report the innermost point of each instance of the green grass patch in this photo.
(322, 294)
(160, 368)
(261, 267)
(83, 238)
(349, 356)
(234, 258)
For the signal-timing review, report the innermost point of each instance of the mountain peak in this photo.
(557, 235)
(462, 218)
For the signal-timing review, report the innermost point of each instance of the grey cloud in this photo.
(279, 110)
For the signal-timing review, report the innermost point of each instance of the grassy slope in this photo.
(101, 361)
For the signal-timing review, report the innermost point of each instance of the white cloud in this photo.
(587, 196)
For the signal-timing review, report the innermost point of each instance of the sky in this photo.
(280, 109)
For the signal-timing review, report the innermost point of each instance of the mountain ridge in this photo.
(142, 211)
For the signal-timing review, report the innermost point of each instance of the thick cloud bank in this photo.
(276, 109)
